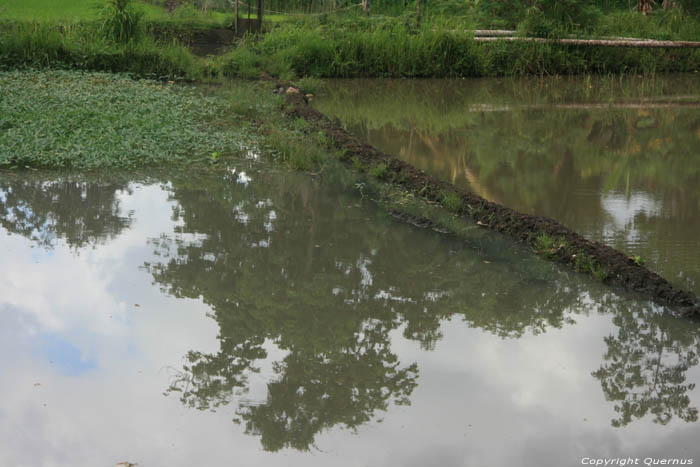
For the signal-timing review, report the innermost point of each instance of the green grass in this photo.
(60, 119)
(66, 10)
(86, 10)
(586, 263)
(378, 170)
(548, 246)
(451, 201)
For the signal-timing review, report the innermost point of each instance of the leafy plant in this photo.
(638, 260)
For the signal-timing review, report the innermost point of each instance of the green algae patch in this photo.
(61, 119)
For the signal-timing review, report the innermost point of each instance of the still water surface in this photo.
(256, 317)
(615, 159)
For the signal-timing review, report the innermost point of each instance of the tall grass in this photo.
(81, 46)
(122, 21)
(395, 49)
(347, 46)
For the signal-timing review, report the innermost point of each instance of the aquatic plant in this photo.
(61, 119)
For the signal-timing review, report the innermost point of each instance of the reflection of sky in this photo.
(622, 210)
(87, 345)
(65, 355)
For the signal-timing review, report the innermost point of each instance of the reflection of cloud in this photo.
(60, 292)
(482, 400)
(622, 210)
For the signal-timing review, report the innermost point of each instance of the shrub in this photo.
(122, 22)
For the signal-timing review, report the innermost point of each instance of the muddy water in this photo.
(255, 317)
(617, 160)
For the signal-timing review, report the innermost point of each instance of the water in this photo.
(259, 317)
(615, 159)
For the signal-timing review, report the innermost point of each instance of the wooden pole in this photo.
(646, 44)
(235, 21)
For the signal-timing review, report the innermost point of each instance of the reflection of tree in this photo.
(289, 269)
(317, 391)
(284, 265)
(646, 364)
(271, 275)
(80, 212)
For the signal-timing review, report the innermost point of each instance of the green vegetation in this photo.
(393, 47)
(379, 170)
(451, 201)
(92, 10)
(68, 119)
(347, 43)
(122, 22)
(548, 246)
(59, 119)
(586, 263)
(83, 46)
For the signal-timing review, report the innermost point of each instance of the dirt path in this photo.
(549, 238)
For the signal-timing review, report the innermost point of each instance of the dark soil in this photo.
(601, 261)
(211, 41)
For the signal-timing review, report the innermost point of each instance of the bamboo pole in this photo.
(493, 32)
(587, 106)
(598, 42)
(511, 32)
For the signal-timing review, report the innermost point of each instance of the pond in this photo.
(253, 316)
(616, 159)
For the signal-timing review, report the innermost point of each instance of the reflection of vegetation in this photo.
(284, 266)
(298, 278)
(81, 212)
(549, 148)
(646, 365)
(317, 391)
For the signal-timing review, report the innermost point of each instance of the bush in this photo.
(122, 22)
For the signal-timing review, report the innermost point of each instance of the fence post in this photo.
(235, 21)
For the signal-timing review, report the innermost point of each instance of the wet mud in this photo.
(563, 245)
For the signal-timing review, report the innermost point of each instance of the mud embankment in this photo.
(547, 237)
